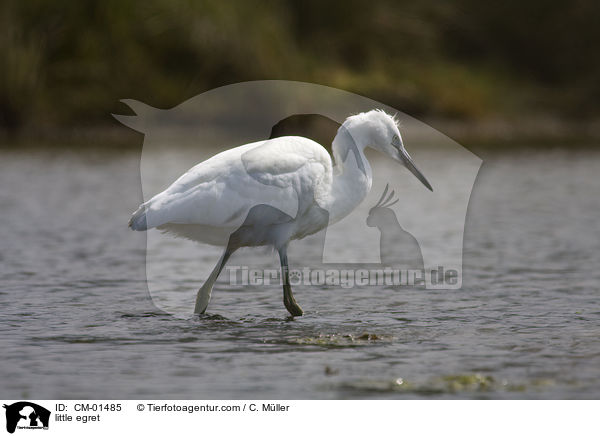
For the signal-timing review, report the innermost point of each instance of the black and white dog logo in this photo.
(26, 415)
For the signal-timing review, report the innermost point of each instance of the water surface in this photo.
(77, 320)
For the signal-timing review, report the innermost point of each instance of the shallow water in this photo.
(77, 320)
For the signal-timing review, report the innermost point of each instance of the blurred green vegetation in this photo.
(65, 64)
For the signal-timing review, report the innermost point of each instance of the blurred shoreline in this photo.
(512, 73)
(480, 135)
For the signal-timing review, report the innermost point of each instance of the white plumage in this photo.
(271, 192)
(217, 194)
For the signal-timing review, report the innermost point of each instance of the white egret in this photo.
(272, 192)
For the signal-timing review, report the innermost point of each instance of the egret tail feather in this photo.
(138, 220)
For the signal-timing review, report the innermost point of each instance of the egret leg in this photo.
(288, 298)
(203, 296)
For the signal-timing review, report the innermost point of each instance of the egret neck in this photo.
(352, 176)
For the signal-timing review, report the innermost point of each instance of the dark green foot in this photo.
(290, 302)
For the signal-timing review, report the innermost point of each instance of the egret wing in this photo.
(284, 173)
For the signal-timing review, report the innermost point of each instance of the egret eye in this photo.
(395, 140)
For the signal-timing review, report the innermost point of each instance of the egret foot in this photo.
(203, 297)
(202, 300)
(290, 302)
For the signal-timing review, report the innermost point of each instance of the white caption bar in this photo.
(158, 417)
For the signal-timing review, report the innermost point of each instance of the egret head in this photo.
(380, 131)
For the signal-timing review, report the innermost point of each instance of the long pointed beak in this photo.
(408, 162)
